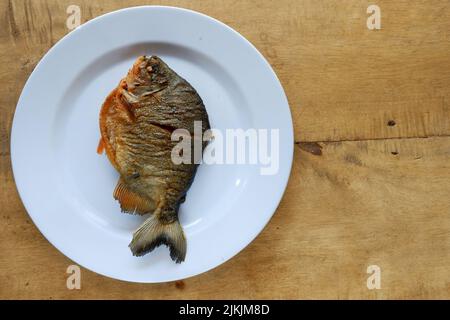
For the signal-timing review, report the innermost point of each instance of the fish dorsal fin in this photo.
(130, 201)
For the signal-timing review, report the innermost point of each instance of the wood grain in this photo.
(361, 192)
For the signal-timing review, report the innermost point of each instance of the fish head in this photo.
(148, 75)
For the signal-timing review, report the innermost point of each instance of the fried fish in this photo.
(137, 120)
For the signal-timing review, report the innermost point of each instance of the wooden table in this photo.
(370, 183)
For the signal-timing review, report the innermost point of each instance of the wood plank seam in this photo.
(373, 139)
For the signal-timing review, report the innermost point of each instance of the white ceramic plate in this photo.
(67, 188)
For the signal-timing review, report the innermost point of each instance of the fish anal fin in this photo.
(130, 201)
(105, 114)
(101, 146)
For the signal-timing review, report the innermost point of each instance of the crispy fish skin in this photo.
(136, 123)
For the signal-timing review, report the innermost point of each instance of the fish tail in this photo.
(155, 232)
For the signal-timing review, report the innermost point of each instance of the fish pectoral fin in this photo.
(130, 201)
(155, 232)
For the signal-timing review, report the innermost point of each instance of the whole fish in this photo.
(137, 120)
